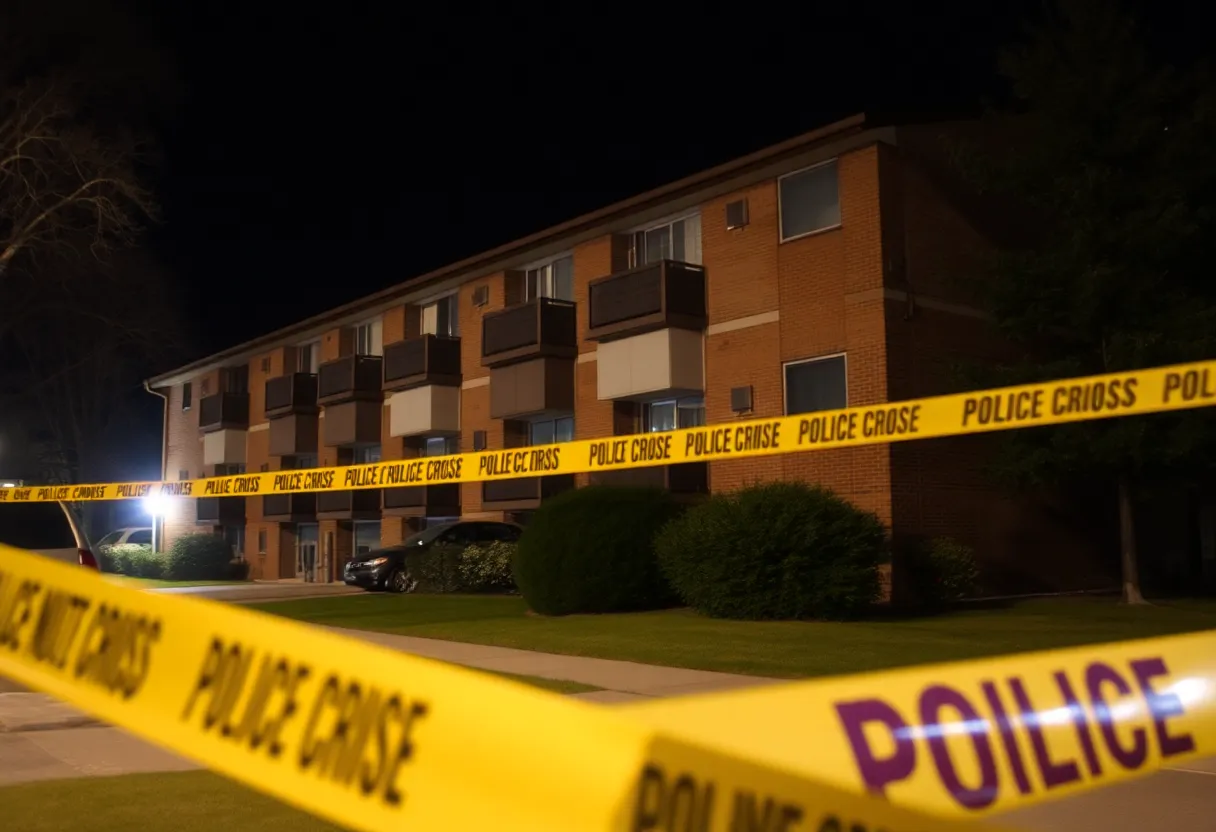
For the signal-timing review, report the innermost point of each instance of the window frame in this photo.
(550, 421)
(781, 238)
(644, 415)
(364, 450)
(544, 272)
(452, 318)
(667, 222)
(187, 395)
(785, 393)
(314, 357)
(370, 326)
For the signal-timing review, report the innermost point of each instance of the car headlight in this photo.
(377, 561)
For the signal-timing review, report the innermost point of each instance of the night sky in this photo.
(315, 159)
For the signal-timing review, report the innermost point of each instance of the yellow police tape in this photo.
(976, 737)
(378, 740)
(1180, 387)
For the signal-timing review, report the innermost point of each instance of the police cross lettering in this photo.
(634, 449)
(103, 646)
(682, 802)
(289, 481)
(874, 423)
(355, 735)
(1063, 400)
(998, 719)
(519, 462)
(733, 439)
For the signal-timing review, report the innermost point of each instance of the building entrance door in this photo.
(306, 552)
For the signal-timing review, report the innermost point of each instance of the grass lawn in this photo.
(679, 638)
(152, 583)
(191, 801)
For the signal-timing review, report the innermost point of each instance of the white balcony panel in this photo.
(424, 410)
(224, 447)
(667, 361)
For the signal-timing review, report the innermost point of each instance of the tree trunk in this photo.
(1127, 544)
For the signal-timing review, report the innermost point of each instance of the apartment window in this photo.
(187, 396)
(262, 542)
(816, 384)
(308, 357)
(548, 431)
(231, 469)
(302, 461)
(367, 537)
(442, 317)
(679, 240)
(440, 446)
(810, 201)
(183, 475)
(368, 339)
(366, 455)
(236, 379)
(552, 280)
(673, 414)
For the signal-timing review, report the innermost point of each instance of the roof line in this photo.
(852, 124)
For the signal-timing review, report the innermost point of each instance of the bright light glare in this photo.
(157, 505)
(8, 485)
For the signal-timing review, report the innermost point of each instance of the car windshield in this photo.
(427, 535)
(35, 526)
(110, 539)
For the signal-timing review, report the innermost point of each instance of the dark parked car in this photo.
(389, 568)
(46, 529)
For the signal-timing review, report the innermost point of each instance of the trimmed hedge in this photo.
(784, 550)
(487, 568)
(200, 557)
(943, 571)
(135, 560)
(591, 550)
(436, 569)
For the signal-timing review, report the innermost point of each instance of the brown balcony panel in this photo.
(292, 393)
(663, 295)
(289, 508)
(523, 493)
(224, 411)
(293, 434)
(355, 377)
(352, 423)
(684, 479)
(540, 327)
(542, 385)
(349, 505)
(220, 511)
(423, 501)
(415, 362)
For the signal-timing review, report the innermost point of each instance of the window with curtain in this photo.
(679, 240)
(442, 317)
(673, 414)
(552, 280)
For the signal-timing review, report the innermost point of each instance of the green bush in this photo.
(135, 560)
(199, 557)
(781, 550)
(591, 550)
(436, 569)
(487, 568)
(943, 571)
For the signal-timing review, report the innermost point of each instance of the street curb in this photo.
(56, 725)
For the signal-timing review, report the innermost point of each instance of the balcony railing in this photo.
(542, 327)
(685, 478)
(423, 499)
(220, 511)
(525, 492)
(655, 296)
(289, 507)
(352, 377)
(292, 393)
(429, 359)
(349, 505)
(224, 411)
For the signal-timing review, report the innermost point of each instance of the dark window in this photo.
(141, 536)
(810, 201)
(183, 475)
(818, 384)
(187, 395)
(262, 542)
(35, 526)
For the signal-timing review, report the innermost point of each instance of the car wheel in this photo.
(401, 581)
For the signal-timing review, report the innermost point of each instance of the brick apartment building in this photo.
(814, 274)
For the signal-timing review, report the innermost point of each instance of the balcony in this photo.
(292, 394)
(663, 295)
(223, 411)
(424, 411)
(423, 501)
(352, 424)
(294, 434)
(353, 378)
(220, 511)
(540, 328)
(224, 447)
(532, 388)
(289, 508)
(687, 479)
(349, 505)
(523, 494)
(417, 362)
(659, 363)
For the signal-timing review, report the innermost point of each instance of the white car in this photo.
(138, 534)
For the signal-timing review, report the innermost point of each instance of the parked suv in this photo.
(388, 568)
(46, 529)
(141, 534)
